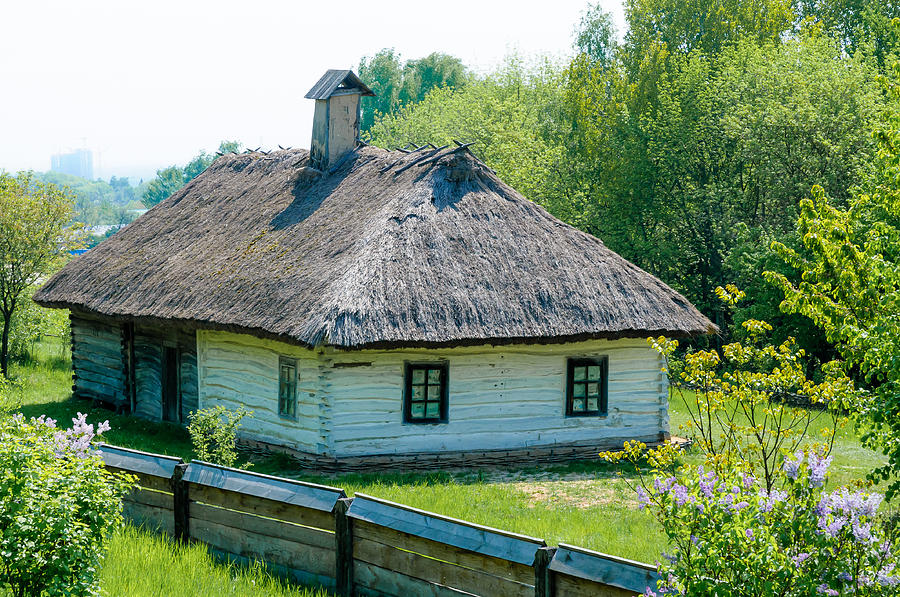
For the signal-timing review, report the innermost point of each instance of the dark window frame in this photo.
(283, 413)
(444, 398)
(603, 405)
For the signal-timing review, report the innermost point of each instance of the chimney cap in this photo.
(337, 81)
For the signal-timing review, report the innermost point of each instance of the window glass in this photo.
(425, 399)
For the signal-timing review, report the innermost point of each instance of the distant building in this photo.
(77, 163)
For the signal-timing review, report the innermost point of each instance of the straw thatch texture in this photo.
(387, 249)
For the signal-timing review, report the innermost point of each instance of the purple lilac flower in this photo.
(862, 532)
(748, 480)
(768, 501)
(824, 590)
(792, 467)
(845, 576)
(833, 528)
(77, 440)
(739, 506)
(749, 533)
(818, 468)
(800, 558)
(680, 492)
(643, 498)
(885, 578)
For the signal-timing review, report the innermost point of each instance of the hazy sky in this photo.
(149, 84)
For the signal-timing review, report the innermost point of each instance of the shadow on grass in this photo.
(126, 431)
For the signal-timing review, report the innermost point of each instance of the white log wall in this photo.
(499, 397)
(241, 370)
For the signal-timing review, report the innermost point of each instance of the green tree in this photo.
(595, 36)
(171, 179)
(849, 284)
(396, 83)
(167, 181)
(502, 114)
(34, 237)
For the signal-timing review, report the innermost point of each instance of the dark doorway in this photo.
(170, 385)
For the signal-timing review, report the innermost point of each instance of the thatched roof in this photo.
(386, 249)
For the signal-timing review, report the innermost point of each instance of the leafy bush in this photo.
(214, 433)
(732, 536)
(58, 506)
(31, 322)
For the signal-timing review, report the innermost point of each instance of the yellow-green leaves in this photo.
(36, 231)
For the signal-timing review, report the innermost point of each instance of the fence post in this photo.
(343, 537)
(543, 581)
(181, 504)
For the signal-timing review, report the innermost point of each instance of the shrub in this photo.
(214, 433)
(732, 536)
(58, 506)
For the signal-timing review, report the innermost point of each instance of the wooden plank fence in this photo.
(316, 535)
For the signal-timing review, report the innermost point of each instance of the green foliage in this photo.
(58, 505)
(707, 26)
(168, 180)
(737, 401)
(214, 434)
(34, 238)
(503, 114)
(733, 537)
(849, 283)
(396, 83)
(595, 36)
(31, 323)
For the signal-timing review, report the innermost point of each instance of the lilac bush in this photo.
(732, 536)
(58, 505)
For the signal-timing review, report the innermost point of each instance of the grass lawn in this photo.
(586, 503)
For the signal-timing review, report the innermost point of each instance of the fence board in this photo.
(278, 529)
(276, 489)
(146, 481)
(441, 551)
(374, 581)
(133, 461)
(147, 497)
(244, 543)
(262, 507)
(150, 517)
(437, 572)
(585, 564)
(570, 586)
(458, 533)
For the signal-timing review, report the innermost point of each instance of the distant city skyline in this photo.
(79, 162)
(159, 82)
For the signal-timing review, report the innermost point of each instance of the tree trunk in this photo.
(4, 346)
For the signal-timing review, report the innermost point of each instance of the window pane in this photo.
(434, 392)
(418, 393)
(594, 372)
(578, 390)
(593, 403)
(593, 389)
(580, 373)
(433, 411)
(434, 376)
(578, 405)
(418, 376)
(418, 410)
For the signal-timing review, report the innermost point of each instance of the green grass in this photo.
(140, 563)
(585, 503)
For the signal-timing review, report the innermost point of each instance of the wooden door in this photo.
(170, 394)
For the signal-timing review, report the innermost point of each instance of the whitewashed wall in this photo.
(499, 397)
(351, 402)
(238, 369)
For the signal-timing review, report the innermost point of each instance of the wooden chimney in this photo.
(336, 121)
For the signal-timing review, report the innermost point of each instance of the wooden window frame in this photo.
(603, 362)
(444, 368)
(292, 362)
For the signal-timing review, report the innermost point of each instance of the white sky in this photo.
(149, 84)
